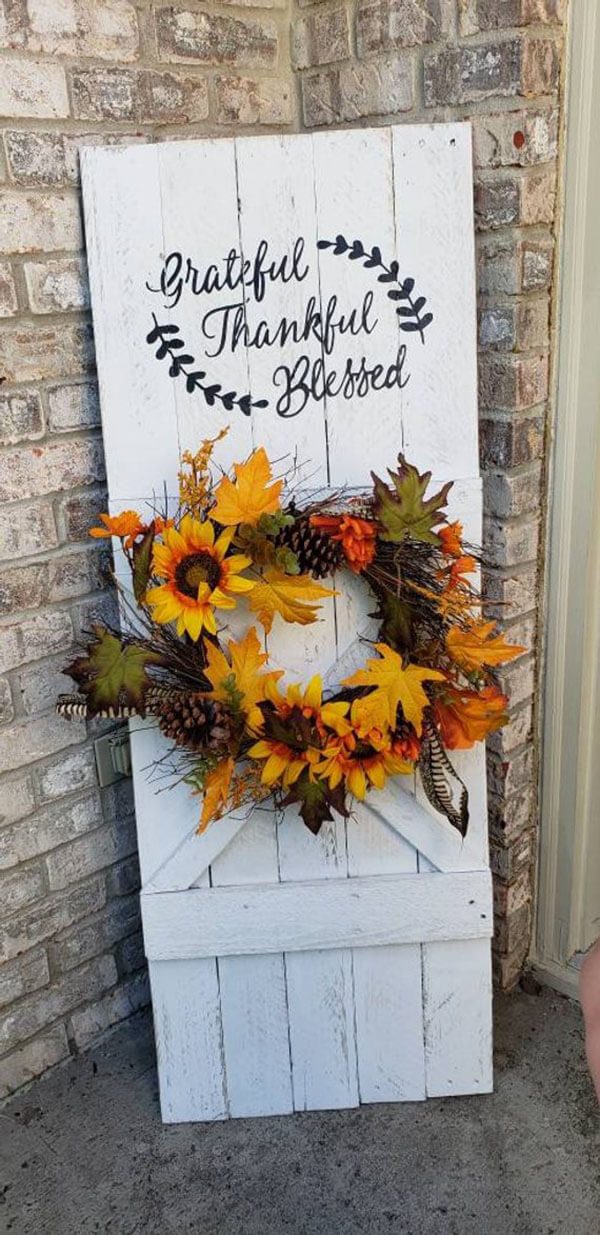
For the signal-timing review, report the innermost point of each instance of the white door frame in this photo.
(569, 853)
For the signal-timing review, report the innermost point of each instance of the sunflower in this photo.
(199, 576)
(360, 764)
(308, 719)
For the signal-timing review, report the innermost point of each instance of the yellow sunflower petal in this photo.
(357, 782)
(238, 585)
(222, 544)
(194, 621)
(260, 750)
(209, 621)
(314, 692)
(220, 600)
(275, 765)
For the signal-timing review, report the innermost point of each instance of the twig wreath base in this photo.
(236, 733)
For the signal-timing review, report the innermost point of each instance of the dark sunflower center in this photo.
(195, 569)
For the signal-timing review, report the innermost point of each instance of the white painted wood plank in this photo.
(354, 195)
(276, 196)
(198, 187)
(123, 225)
(187, 1026)
(322, 1039)
(253, 990)
(387, 979)
(166, 818)
(430, 833)
(435, 246)
(191, 858)
(299, 917)
(457, 997)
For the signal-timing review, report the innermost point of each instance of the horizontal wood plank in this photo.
(298, 917)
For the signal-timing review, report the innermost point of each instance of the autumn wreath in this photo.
(237, 734)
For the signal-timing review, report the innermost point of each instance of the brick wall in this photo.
(71, 961)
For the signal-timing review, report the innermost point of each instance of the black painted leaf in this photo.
(418, 303)
(176, 343)
(211, 392)
(385, 278)
(193, 379)
(162, 351)
(174, 367)
(324, 244)
(185, 359)
(405, 311)
(425, 320)
(407, 286)
(410, 326)
(398, 295)
(375, 258)
(341, 244)
(394, 268)
(245, 405)
(228, 400)
(261, 403)
(153, 336)
(358, 250)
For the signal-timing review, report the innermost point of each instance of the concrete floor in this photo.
(84, 1150)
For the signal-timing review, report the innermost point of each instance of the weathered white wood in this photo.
(324, 944)
(165, 818)
(435, 246)
(253, 989)
(187, 864)
(188, 1030)
(201, 222)
(413, 818)
(123, 226)
(354, 195)
(360, 912)
(457, 1001)
(280, 208)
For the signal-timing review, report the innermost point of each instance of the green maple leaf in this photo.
(403, 510)
(113, 673)
(396, 622)
(316, 801)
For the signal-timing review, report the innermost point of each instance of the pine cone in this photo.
(190, 719)
(318, 555)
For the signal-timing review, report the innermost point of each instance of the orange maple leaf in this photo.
(477, 646)
(251, 494)
(467, 716)
(451, 538)
(287, 595)
(216, 792)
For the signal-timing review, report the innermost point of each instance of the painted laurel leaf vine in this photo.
(183, 364)
(412, 319)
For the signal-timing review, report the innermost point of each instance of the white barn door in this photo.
(288, 971)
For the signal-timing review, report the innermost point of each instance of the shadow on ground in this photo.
(84, 1151)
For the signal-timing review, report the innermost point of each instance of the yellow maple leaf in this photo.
(478, 646)
(247, 658)
(287, 595)
(250, 495)
(216, 791)
(392, 685)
